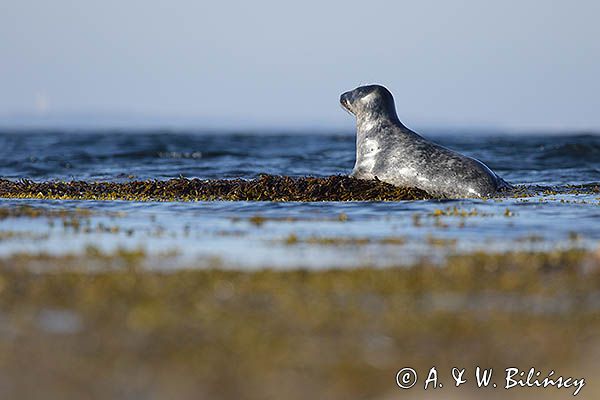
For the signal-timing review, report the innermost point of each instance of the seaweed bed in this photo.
(125, 332)
(264, 188)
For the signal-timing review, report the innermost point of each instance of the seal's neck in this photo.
(366, 122)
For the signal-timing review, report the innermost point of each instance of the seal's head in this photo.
(369, 101)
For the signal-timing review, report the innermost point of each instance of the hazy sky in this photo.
(518, 64)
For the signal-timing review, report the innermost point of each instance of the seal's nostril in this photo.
(345, 98)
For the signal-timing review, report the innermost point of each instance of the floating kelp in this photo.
(35, 212)
(264, 188)
(540, 190)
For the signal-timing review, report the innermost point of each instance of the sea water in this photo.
(289, 234)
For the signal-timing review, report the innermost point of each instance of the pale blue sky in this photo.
(274, 63)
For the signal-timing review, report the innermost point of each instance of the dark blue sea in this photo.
(222, 232)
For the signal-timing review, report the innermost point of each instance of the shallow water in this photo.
(313, 235)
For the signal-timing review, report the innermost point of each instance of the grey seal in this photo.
(388, 151)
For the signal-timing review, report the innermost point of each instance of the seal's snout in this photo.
(345, 100)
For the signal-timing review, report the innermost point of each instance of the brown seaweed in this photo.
(101, 326)
(264, 188)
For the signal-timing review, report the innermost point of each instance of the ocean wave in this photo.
(580, 151)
